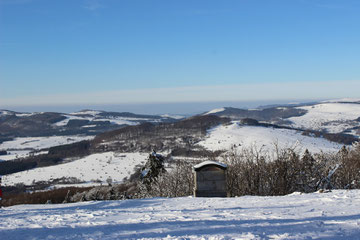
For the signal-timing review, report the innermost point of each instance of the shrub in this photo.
(174, 183)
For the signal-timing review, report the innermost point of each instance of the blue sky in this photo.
(63, 52)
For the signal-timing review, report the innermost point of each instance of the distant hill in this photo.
(273, 114)
(322, 126)
(336, 116)
(88, 122)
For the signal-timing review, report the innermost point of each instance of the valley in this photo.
(97, 151)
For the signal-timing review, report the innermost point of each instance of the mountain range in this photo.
(115, 144)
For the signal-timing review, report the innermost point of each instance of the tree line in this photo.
(250, 171)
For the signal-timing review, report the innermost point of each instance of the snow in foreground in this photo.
(334, 215)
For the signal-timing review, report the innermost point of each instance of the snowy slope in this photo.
(91, 168)
(114, 120)
(89, 122)
(217, 110)
(71, 117)
(334, 215)
(344, 100)
(5, 113)
(96, 116)
(87, 112)
(15, 154)
(42, 142)
(332, 116)
(21, 147)
(172, 116)
(238, 136)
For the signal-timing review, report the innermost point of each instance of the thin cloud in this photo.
(332, 6)
(206, 12)
(93, 5)
(8, 2)
(341, 5)
(240, 92)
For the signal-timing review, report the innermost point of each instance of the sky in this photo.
(115, 52)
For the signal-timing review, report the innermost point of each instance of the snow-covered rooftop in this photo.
(205, 163)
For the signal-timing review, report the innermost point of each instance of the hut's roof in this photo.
(208, 163)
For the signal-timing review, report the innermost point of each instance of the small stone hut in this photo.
(210, 179)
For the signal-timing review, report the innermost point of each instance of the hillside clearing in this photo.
(239, 136)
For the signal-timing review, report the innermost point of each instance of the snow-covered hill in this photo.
(333, 117)
(89, 122)
(24, 146)
(99, 116)
(217, 110)
(90, 170)
(215, 130)
(24, 134)
(226, 137)
(333, 215)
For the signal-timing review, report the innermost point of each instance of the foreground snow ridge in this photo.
(333, 215)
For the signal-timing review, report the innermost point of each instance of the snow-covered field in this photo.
(20, 154)
(217, 110)
(334, 215)
(114, 120)
(21, 147)
(172, 116)
(42, 142)
(334, 117)
(90, 169)
(91, 115)
(238, 136)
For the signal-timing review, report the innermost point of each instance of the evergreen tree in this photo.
(309, 173)
(153, 168)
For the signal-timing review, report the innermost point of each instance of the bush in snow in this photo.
(177, 182)
(347, 174)
(113, 192)
(254, 172)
